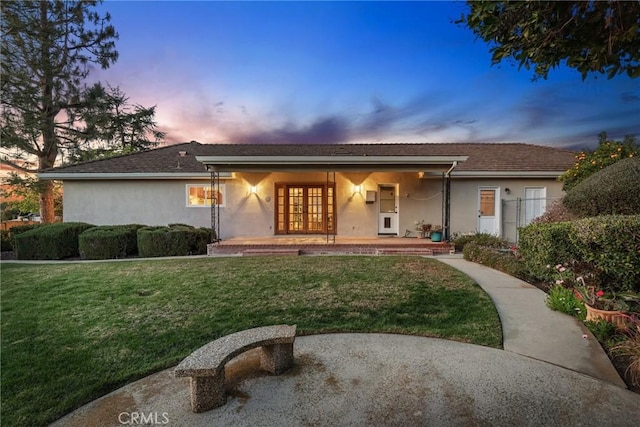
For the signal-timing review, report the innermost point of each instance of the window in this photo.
(535, 203)
(488, 202)
(201, 195)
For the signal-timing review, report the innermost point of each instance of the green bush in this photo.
(173, 240)
(6, 240)
(612, 191)
(109, 242)
(9, 236)
(603, 331)
(50, 241)
(19, 229)
(500, 259)
(565, 301)
(482, 239)
(611, 245)
(543, 246)
(607, 247)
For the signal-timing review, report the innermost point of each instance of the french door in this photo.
(305, 209)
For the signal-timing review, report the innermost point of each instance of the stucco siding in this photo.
(161, 202)
(146, 202)
(464, 202)
(253, 214)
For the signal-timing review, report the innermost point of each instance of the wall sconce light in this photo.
(507, 190)
(357, 188)
(254, 189)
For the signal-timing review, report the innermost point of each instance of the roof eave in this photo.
(333, 163)
(125, 176)
(506, 174)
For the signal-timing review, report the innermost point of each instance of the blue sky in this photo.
(340, 72)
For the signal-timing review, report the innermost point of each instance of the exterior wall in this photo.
(161, 202)
(147, 202)
(254, 214)
(464, 202)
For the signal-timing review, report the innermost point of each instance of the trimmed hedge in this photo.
(612, 191)
(50, 241)
(482, 239)
(607, 246)
(173, 240)
(611, 244)
(109, 242)
(6, 240)
(543, 245)
(494, 257)
(19, 229)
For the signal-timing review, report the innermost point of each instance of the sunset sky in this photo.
(340, 72)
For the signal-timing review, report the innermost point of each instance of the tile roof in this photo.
(483, 157)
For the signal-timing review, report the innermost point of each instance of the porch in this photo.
(323, 245)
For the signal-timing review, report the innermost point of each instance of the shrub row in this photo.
(608, 246)
(482, 239)
(6, 240)
(173, 240)
(494, 257)
(69, 240)
(109, 242)
(49, 241)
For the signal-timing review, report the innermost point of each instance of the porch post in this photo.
(447, 208)
(215, 206)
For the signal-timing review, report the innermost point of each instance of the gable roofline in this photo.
(124, 176)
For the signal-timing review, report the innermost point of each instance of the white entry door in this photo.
(489, 210)
(388, 209)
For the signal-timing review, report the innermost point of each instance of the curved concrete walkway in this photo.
(548, 374)
(531, 329)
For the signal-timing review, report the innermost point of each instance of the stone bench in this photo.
(205, 366)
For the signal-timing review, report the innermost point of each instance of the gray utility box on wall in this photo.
(371, 196)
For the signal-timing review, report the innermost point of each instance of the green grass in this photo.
(74, 332)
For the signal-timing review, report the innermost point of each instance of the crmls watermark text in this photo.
(140, 418)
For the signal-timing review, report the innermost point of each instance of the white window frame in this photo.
(205, 186)
(542, 201)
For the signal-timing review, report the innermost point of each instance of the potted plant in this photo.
(609, 306)
(436, 233)
(423, 228)
(629, 347)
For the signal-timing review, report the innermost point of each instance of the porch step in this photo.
(404, 251)
(253, 249)
(271, 251)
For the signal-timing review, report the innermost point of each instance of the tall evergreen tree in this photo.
(47, 52)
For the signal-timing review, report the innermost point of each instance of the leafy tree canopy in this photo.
(590, 36)
(607, 153)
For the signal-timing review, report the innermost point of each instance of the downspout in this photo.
(447, 202)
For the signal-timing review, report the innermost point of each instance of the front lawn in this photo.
(73, 332)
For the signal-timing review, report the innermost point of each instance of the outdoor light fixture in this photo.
(357, 188)
(254, 189)
(507, 190)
